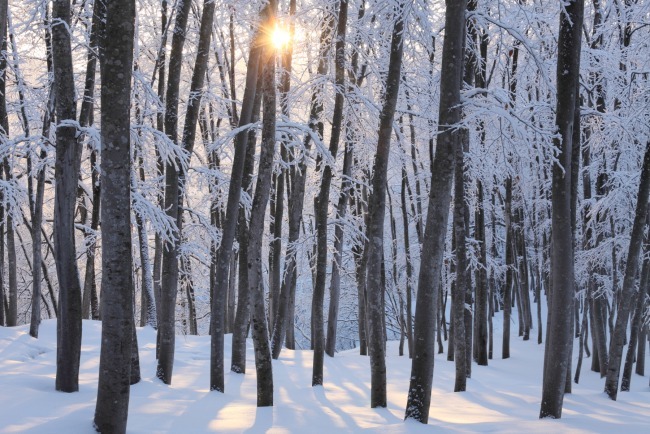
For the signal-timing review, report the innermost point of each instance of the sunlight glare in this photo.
(280, 37)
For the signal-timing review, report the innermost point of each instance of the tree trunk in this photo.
(617, 341)
(67, 166)
(637, 317)
(462, 281)
(118, 328)
(229, 226)
(433, 246)
(243, 315)
(376, 212)
(562, 290)
(262, 191)
(323, 199)
(169, 280)
(284, 320)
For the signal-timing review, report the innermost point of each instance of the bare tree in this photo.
(376, 214)
(115, 362)
(562, 291)
(66, 173)
(433, 246)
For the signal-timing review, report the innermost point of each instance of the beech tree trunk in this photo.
(562, 290)
(433, 246)
(287, 291)
(229, 225)
(627, 295)
(118, 327)
(67, 166)
(260, 201)
(322, 207)
(169, 280)
(376, 213)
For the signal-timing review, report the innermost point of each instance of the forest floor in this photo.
(503, 397)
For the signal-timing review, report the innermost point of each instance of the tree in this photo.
(169, 280)
(562, 291)
(433, 246)
(112, 406)
(627, 296)
(67, 166)
(376, 214)
(229, 225)
(322, 206)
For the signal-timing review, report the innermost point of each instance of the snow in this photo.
(503, 397)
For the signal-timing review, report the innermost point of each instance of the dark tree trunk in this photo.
(169, 280)
(433, 246)
(462, 281)
(323, 200)
(637, 318)
(284, 320)
(229, 225)
(562, 290)
(409, 267)
(283, 177)
(118, 328)
(160, 126)
(510, 285)
(376, 212)
(67, 166)
(481, 317)
(627, 295)
(243, 315)
(260, 201)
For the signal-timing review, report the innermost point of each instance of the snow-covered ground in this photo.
(503, 397)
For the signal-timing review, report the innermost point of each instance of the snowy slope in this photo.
(503, 397)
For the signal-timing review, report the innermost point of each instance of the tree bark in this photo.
(118, 328)
(287, 291)
(230, 222)
(262, 192)
(67, 166)
(323, 199)
(617, 341)
(562, 290)
(376, 213)
(433, 246)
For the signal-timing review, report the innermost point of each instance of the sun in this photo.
(280, 37)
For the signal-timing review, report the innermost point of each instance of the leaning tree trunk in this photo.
(376, 212)
(433, 246)
(617, 341)
(637, 318)
(66, 173)
(562, 290)
(115, 362)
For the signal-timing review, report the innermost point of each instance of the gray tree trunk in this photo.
(433, 246)
(627, 295)
(115, 361)
(322, 207)
(287, 291)
(562, 289)
(67, 166)
(376, 213)
(229, 225)
(169, 280)
(256, 229)
(243, 315)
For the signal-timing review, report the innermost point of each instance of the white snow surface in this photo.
(502, 398)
